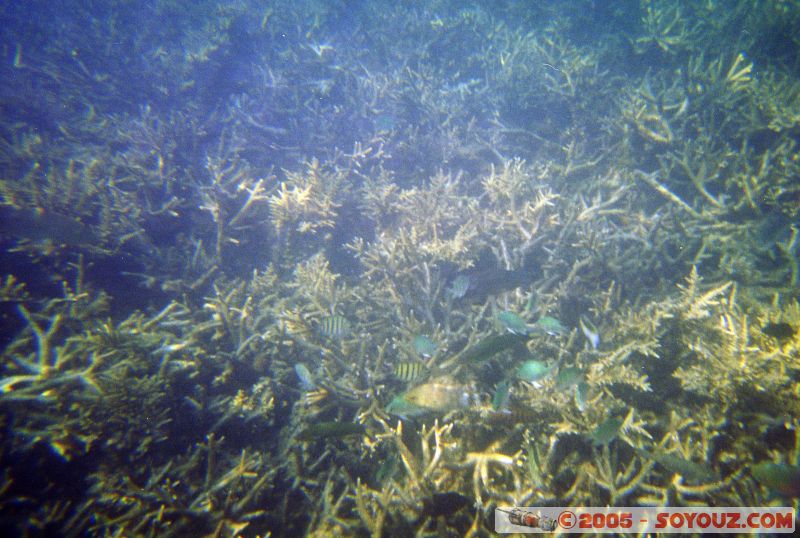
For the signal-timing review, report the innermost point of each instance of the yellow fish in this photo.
(440, 395)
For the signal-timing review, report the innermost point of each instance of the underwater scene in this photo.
(349, 268)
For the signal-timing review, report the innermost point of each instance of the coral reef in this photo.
(260, 271)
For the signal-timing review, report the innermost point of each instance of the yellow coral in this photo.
(306, 200)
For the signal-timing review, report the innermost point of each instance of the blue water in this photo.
(190, 190)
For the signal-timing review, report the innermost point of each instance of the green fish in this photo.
(400, 407)
(551, 326)
(491, 346)
(696, 472)
(530, 306)
(445, 504)
(501, 395)
(334, 326)
(513, 323)
(424, 346)
(388, 469)
(568, 377)
(779, 330)
(581, 395)
(533, 371)
(607, 431)
(779, 477)
(38, 226)
(330, 429)
(440, 395)
(409, 371)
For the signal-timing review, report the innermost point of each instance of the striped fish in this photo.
(408, 371)
(334, 326)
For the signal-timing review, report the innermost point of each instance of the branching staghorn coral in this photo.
(520, 206)
(404, 502)
(243, 317)
(479, 141)
(41, 356)
(221, 498)
(685, 466)
(403, 264)
(666, 27)
(305, 204)
(448, 231)
(116, 371)
(727, 347)
(113, 386)
(56, 204)
(232, 199)
(653, 112)
(778, 100)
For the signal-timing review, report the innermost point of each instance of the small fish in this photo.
(530, 306)
(607, 431)
(484, 283)
(533, 371)
(439, 395)
(590, 332)
(172, 348)
(400, 407)
(304, 376)
(501, 396)
(409, 371)
(17, 56)
(512, 415)
(388, 469)
(458, 287)
(695, 472)
(780, 477)
(551, 326)
(424, 346)
(330, 429)
(779, 330)
(581, 395)
(491, 346)
(314, 397)
(38, 226)
(334, 326)
(445, 504)
(385, 122)
(513, 323)
(568, 377)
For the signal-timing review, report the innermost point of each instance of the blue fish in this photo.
(424, 346)
(458, 287)
(304, 376)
